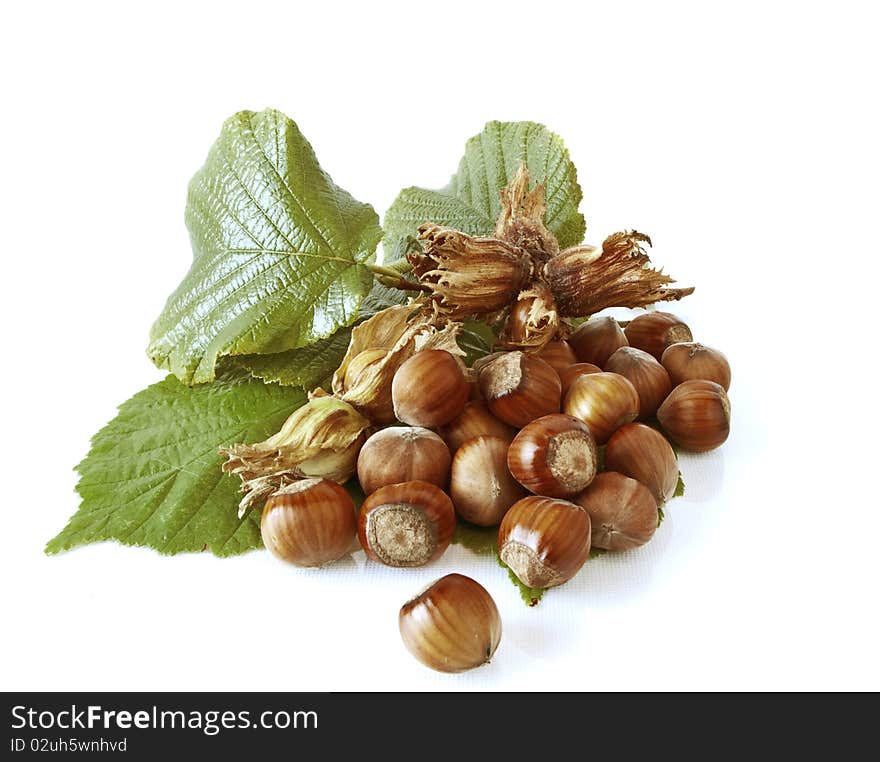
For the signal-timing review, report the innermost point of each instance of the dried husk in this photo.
(402, 331)
(521, 220)
(321, 439)
(468, 276)
(586, 279)
(533, 320)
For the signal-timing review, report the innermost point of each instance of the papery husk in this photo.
(402, 331)
(468, 276)
(586, 279)
(521, 220)
(322, 439)
(533, 321)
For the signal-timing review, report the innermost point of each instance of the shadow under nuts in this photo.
(429, 389)
(519, 388)
(403, 454)
(623, 512)
(555, 456)
(451, 626)
(481, 487)
(696, 415)
(544, 541)
(406, 524)
(603, 401)
(309, 523)
(647, 375)
(643, 454)
(691, 361)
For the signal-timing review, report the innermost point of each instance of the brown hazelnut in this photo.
(474, 421)
(403, 454)
(603, 401)
(452, 625)
(554, 456)
(309, 523)
(544, 541)
(519, 388)
(406, 524)
(574, 371)
(690, 361)
(623, 512)
(654, 331)
(596, 339)
(482, 488)
(643, 454)
(429, 389)
(558, 355)
(696, 415)
(647, 375)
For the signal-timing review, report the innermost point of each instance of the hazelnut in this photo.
(604, 401)
(643, 454)
(623, 512)
(403, 454)
(696, 415)
(647, 375)
(690, 361)
(482, 488)
(519, 388)
(429, 389)
(654, 331)
(596, 339)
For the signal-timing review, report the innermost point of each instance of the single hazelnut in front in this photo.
(544, 541)
(595, 340)
(654, 331)
(554, 456)
(691, 361)
(604, 401)
(474, 421)
(403, 454)
(482, 488)
(309, 523)
(647, 375)
(696, 415)
(429, 389)
(519, 387)
(406, 524)
(451, 626)
(623, 512)
(643, 453)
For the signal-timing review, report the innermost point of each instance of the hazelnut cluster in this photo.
(514, 442)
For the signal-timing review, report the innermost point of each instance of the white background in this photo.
(744, 141)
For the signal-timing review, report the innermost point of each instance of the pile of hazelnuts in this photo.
(517, 447)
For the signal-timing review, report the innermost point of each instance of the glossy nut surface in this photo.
(691, 361)
(406, 524)
(451, 626)
(572, 372)
(519, 387)
(554, 456)
(604, 401)
(654, 331)
(482, 488)
(309, 523)
(474, 421)
(429, 389)
(558, 355)
(544, 541)
(623, 512)
(403, 454)
(644, 454)
(696, 415)
(595, 340)
(647, 375)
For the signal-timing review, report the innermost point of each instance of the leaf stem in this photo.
(394, 279)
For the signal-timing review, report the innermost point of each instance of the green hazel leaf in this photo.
(280, 252)
(152, 477)
(476, 340)
(314, 365)
(679, 488)
(471, 202)
(306, 367)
